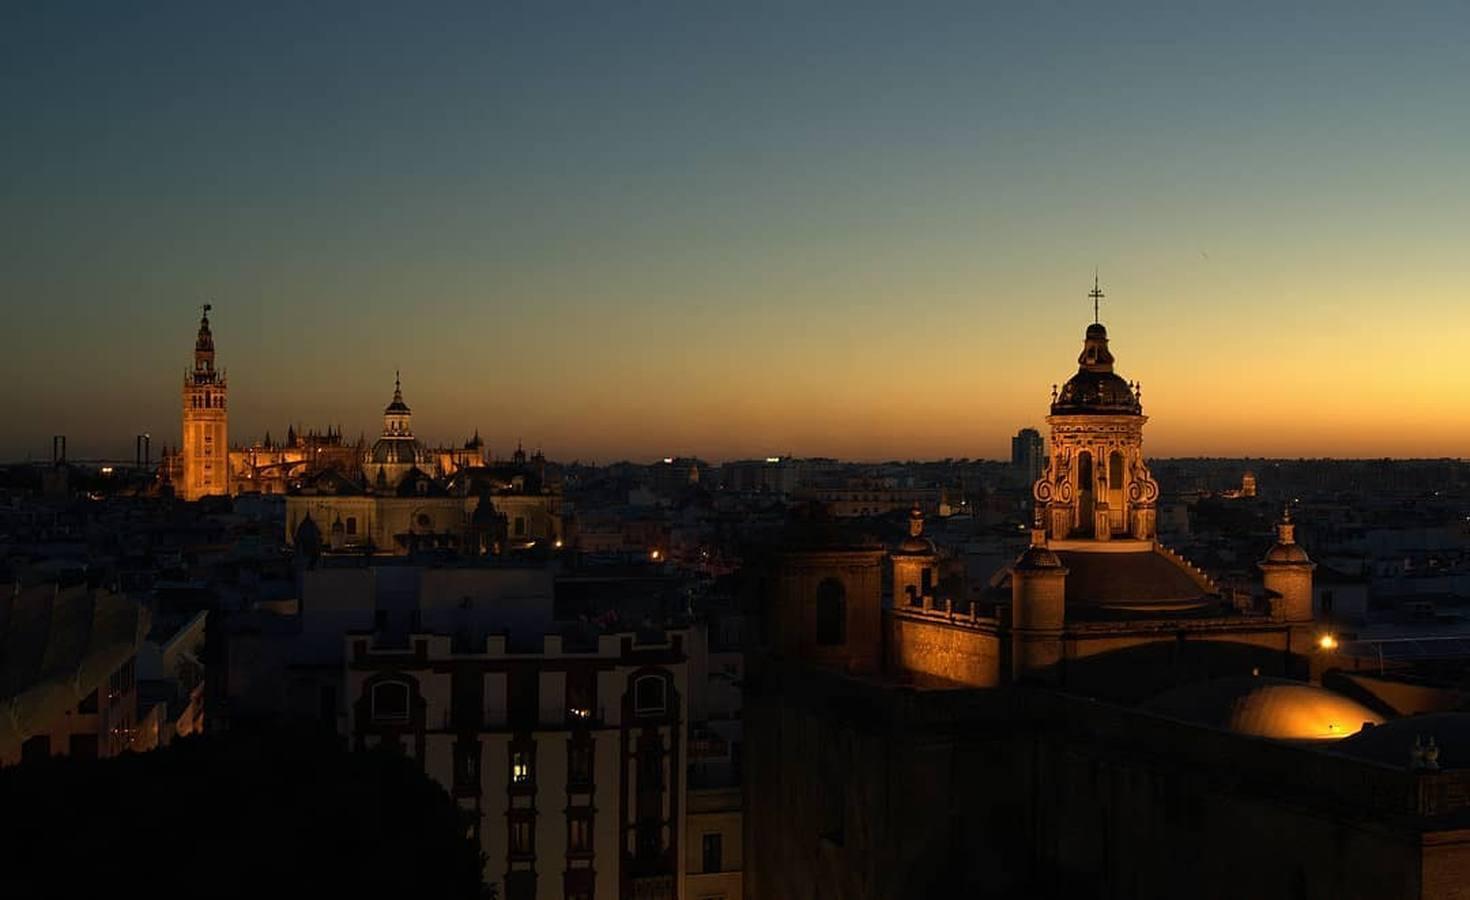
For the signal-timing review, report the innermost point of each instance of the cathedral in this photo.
(391, 497)
(406, 497)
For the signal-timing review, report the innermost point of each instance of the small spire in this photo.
(1285, 529)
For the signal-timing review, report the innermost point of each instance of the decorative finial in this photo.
(1286, 512)
(1053, 394)
(207, 307)
(1097, 295)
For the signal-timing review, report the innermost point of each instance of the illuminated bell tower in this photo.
(206, 448)
(1096, 485)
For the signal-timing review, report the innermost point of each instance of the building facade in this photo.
(572, 760)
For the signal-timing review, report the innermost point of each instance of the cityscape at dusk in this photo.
(746, 451)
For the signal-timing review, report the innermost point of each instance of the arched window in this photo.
(1085, 495)
(390, 701)
(1116, 482)
(648, 696)
(831, 613)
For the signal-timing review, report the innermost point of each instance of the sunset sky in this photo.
(635, 229)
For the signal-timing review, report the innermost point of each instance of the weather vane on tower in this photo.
(1096, 294)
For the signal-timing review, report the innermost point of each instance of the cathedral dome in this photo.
(1266, 707)
(390, 450)
(1096, 388)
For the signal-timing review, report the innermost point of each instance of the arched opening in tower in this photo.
(1116, 492)
(1085, 496)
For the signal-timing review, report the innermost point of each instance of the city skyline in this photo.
(664, 231)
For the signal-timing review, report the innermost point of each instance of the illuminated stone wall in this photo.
(929, 644)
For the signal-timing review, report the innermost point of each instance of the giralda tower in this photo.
(206, 437)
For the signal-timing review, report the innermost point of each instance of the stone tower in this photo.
(206, 449)
(1286, 572)
(1096, 485)
(824, 595)
(1038, 612)
(915, 565)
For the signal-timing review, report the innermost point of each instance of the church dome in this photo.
(1096, 388)
(391, 450)
(1287, 553)
(1266, 707)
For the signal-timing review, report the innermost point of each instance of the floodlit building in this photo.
(205, 463)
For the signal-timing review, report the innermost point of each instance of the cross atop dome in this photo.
(1096, 295)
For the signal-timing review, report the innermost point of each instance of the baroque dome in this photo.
(1266, 707)
(1096, 388)
(390, 450)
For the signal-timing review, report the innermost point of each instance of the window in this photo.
(712, 847)
(579, 764)
(522, 837)
(424, 521)
(831, 613)
(352, 524)
(467, 764)
(579, 831)
(520, 526)
(926, 580)
(524, 691)
(390, 702)
(521, 769)
(648, 696)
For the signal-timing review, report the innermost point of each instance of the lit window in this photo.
(520, 767)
